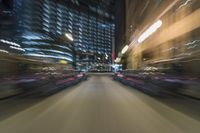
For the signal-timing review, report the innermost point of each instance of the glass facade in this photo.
(40, 27)
(93, 42)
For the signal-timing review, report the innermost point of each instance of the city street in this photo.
(100, 105)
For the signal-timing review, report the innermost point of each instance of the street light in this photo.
(124, 49)
(69, 36)
(117, 60)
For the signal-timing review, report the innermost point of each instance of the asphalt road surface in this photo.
(99, 105)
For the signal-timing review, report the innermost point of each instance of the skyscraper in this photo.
(41, 27)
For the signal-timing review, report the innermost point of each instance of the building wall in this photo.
(180, 28)
(139, 13)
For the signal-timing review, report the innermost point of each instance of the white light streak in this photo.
(50, 56)
(186, 2)
(69, 36)
(150, 31)
(17, 48)
(4, 51)
(10, 43)
(125, 49)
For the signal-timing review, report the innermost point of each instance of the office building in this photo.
(58, 30)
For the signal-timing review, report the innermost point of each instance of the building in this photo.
(172, 42)
(93, 40)
(43, 27)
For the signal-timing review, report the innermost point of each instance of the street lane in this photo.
(100, 105)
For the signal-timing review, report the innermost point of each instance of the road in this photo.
(99, 105)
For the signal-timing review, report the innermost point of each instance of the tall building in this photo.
(43, 25)
(93, 38)
(61, 30)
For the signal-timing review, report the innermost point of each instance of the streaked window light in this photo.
(150, 31)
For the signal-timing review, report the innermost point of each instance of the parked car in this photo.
(19, 75)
